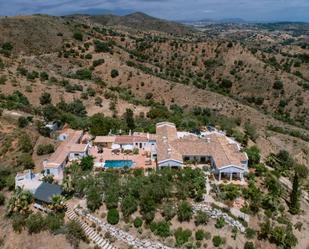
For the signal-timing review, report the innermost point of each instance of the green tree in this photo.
(94, 199)
(86, 163)
(129, 117)
(128, 205)
(113, 216)
(301, 172)
(22, 122)
(114, 73)
(19, 202)
(253, 155)
(2, 199)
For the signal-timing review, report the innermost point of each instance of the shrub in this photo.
(25, 144)
(184, 212)
(162, 229)
(138, 222)
(74, 233)
(114, 73)
(88, 56)
(45, 98)
(182, 236)
(83, 74)
(44, 76)
(201, 218)
(44, 149)
(278, 85)
(54, 221)
(220, 222)
(18, 222)
(2, 199)
(22, 122)
(168, 211)
(249, 245)
(100, 46)
(98, 62)
(199, 234)
(250, 233)
(98, 101)
(25, 161)
(113, 216)
(78, 36)
(35, 223)
(217, 241)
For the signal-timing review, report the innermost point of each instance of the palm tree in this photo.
(67, 185)
(57, 203)
(19, 202)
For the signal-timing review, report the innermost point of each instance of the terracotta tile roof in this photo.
(104, 139)
(61, 153)
(216, 145)
(130, 139)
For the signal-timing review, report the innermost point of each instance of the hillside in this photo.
(143, 22)
(223, 75)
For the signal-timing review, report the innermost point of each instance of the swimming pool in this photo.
(118, 163)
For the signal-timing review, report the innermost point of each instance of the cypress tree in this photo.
(294, 196)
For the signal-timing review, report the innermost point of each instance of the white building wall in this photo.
(169, 163)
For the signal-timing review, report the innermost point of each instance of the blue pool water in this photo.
(118, 163)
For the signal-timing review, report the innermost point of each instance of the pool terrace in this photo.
(140, 160)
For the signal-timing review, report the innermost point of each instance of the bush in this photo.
(78, 36)
(249, 245)
(100, 46)
(44, 149)
(25, 144)
(199, 234)
(88, 56)
(22, 122)
(128, 205)
(98, 62)
(220, 222)
(182, 236)
(250, 233)
(184, 212)
(113, 216)
(138, 222)
(35, 223)
(201, 218)
(278, 85)
(217, 241)
(83, 74)
(162, 229)
(74, 233)
(54, 221)
(114, 73)
(25, 161)
(45, 98)
(168, 211)
(2, 199)
(18, 222)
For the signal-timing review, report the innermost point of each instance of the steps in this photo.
(89, 231)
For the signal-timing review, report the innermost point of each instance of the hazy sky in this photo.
(252, 10)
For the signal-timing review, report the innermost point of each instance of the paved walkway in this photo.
(120, 234)
(90, 232)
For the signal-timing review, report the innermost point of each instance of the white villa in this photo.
(69, 150)
(174, 149)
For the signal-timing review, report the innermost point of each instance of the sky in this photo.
(250, 10)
